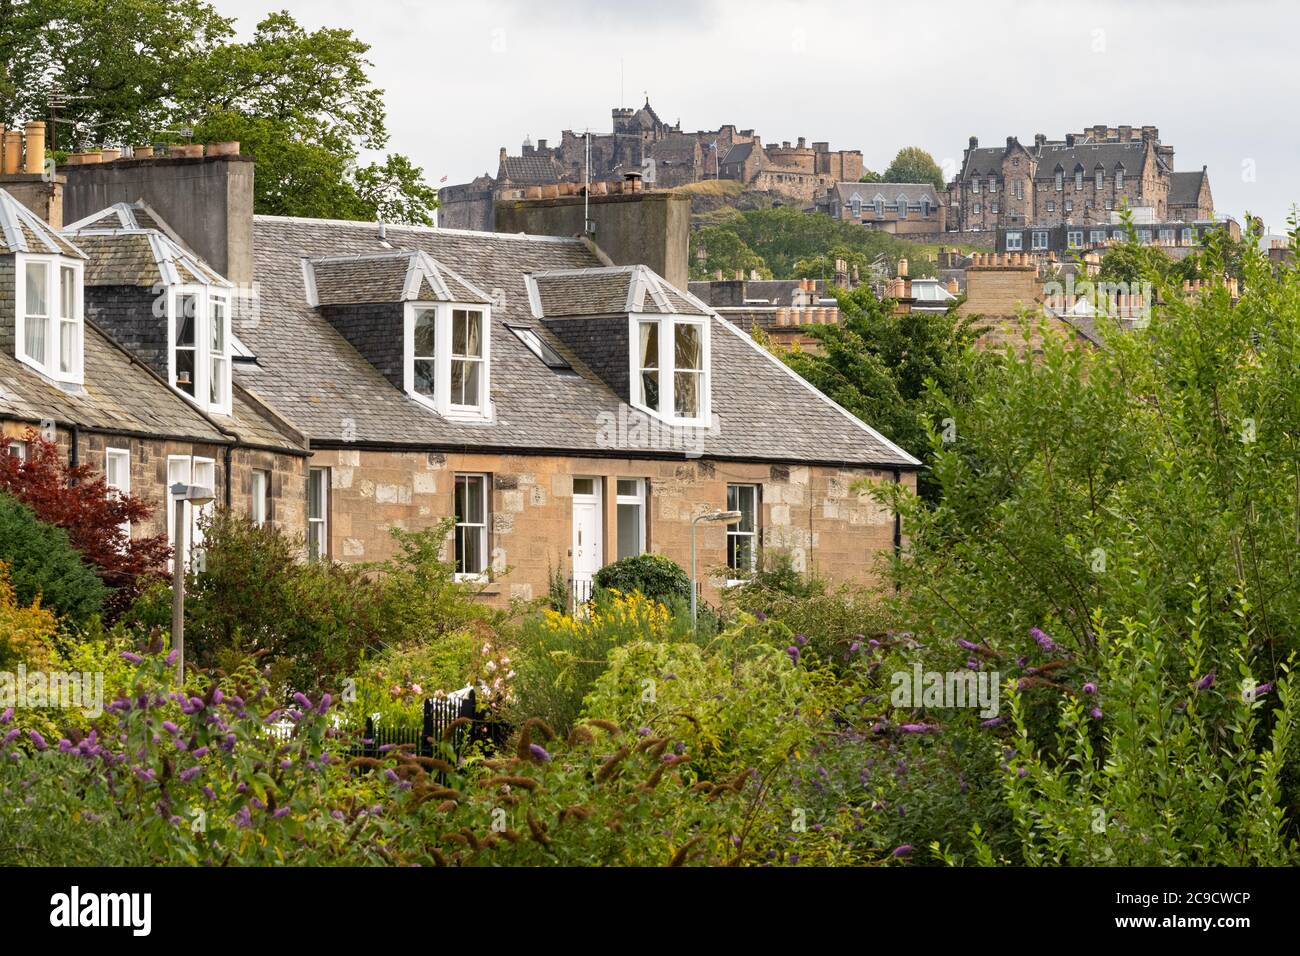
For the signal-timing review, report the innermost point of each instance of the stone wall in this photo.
(811, 512)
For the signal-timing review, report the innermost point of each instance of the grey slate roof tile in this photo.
(309, 373)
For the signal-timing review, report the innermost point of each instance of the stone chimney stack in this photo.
(23, 176)
(204, 194)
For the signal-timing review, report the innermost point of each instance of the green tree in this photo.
(43, 564)
(715, 248)
(883, 365)
(914, 165)
(871, 176)
(782, 237)
(142, 71)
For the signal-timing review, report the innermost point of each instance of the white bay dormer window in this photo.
(447, 349)
(198, 349)
(49, 315)
(670, 367)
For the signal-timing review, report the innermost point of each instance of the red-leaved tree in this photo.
(80, 502)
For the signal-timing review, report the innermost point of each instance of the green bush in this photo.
(557, 657)
(653, 575)
(44, 564)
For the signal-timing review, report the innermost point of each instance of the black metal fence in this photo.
(439, 715)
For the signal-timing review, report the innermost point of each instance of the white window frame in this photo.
(754, 535)
(442, 358)
(322, 521)
(1144, 237)
(1119, 177)
(1099, 177)
(1015, 241)
(1074, 238)
(259, 511)
(668, 366)
(194, 533)
(1188, 236)
(479, 527)
(1038, 240)
(1166, 235)
(637, 500)
(203, 351)
(1078, 180)
(122, 489)
(1096, 237)
(18, 449)
(54, 266)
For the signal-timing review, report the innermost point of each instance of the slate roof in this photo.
(119, 395)
(531, 170)
(987, 159)
(21, 230)
(738, 153)
(914, 192)
(1185, 188)
(606, 290)
(388, 277)
(1088, 155)
(129, 244)
(310, 374)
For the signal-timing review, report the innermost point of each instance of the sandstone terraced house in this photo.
(561, 409)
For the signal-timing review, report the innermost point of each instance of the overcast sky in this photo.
(465, 78)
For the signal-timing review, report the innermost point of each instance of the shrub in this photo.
(655, 576)
(78, 500)
(26, 630)
(43, 565)
(557, 657)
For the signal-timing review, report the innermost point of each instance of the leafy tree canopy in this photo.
(144, 71)
(715, 248)
(882, 365)
(914, 165)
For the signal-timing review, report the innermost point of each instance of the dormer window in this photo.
(671, 367)
(447, 353)
(48, 310)
(199, 350)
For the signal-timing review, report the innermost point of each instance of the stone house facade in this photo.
(555, 409)
(1082, 179)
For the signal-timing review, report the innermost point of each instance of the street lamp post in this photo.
(197, 496)
(730, 517)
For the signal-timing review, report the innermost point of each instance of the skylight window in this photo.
(550, 358)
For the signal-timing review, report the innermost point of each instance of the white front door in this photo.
(588, 544)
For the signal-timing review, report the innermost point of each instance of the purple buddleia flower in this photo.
(302, 700)
(201, 752)
(643, 731)
(324, 704)
(132, 658)
(1263, 689)
(539, 753)
(966, 645)
(170, 727)
(10, 737)
(189, 773)
(1045, 642)
(391, 775)
(993, 722)
(904, 850)
(1206, 682)
(37, 740)
(801, 639)
(337, 814)
(280, 812)
(286, 764)
(171, 658)
(209, 793)
(915, 728)
(145, 774)
(760, 616)
(1095, 713)
(854, 647)
(793, 652)
(7, 716)
(1090, 688)
(244, 819)
(65, 745)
